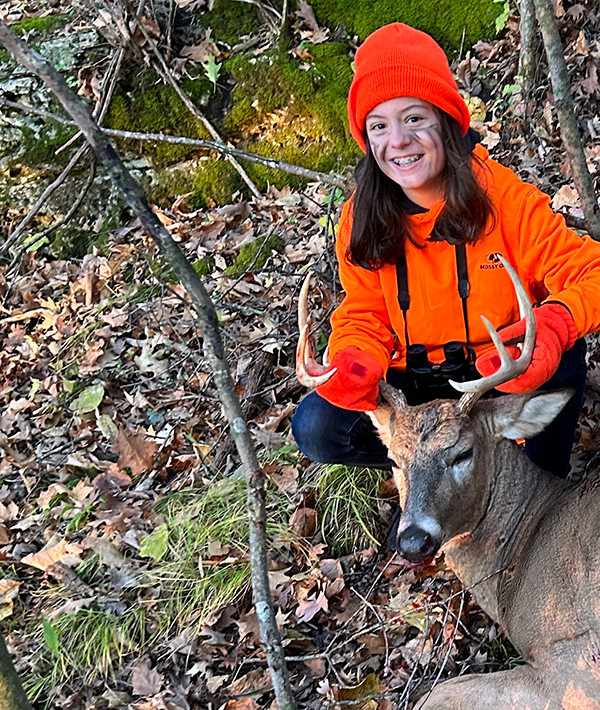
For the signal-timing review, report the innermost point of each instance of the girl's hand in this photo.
(555, 334)
(355, 384)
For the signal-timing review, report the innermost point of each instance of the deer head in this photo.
(447, 458)
(447, 452)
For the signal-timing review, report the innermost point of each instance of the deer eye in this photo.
(463, 456)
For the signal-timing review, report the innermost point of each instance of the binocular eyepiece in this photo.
(457, 365)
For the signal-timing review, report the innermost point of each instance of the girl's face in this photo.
(404, 134)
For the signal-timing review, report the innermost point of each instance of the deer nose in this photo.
(416, 544)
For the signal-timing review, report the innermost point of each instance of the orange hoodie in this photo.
(553, 262)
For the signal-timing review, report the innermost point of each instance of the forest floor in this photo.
(124, 579)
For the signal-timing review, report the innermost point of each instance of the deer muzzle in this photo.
(416, 545)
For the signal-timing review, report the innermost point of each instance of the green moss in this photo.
(293, 109)
(215, 180)
(231, 20)
(39, 147)
(41, 25)
(254, 255)
(445, 20)
(144, 104)
(203, 267)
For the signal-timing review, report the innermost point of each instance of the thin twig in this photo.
(382, 624)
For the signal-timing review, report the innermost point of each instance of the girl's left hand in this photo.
(555, 334)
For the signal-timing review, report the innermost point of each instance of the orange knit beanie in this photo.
(397, 60)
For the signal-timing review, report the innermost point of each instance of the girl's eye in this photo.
(414, 119)
(377, 127)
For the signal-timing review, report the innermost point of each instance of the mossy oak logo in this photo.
(492, 261)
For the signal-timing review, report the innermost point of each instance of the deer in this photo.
(520, 539)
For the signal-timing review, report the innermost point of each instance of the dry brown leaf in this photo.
(4, 535)
(135, 451)
(307, 609)
(257, 680)
(111, 481)
(567, 196)
(303, 521)
(581, 45)
(243, 704)
(9, 590)
(306, 14)
(286, 479)
(68, 553)
(145, 681)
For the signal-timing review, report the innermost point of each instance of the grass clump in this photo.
(204, 525)
(347, 507)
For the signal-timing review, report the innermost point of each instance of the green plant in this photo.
(347, 506)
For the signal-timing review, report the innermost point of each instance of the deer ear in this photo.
(524, 416)
(383, 421)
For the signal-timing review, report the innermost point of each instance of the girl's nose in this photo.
(400, 135)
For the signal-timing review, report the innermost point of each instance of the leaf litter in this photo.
(125, 580)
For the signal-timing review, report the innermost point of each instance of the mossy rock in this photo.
(445, 20)
(143, 103)
(292, 109)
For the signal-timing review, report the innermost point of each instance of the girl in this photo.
(418, 249)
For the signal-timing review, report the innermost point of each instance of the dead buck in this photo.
(525, 540)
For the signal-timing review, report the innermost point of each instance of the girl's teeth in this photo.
(403, 162)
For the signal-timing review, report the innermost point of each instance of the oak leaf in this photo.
(135, 452)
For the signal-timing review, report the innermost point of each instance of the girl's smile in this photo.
(404, 135)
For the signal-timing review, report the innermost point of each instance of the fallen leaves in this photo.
(145, 681)
(68, 553)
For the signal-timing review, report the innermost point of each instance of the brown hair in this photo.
(380, 222)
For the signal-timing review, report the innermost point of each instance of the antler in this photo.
(309, 372)
(509, 368)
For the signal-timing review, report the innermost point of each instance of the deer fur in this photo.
(527, 541)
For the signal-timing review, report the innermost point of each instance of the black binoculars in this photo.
(458, 365)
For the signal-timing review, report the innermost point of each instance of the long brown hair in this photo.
(380, 223)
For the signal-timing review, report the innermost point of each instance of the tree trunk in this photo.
(527, 51)
(12, 695)
(207, 315)
(565, 107)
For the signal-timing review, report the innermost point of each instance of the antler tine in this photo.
(308, 371)
(509, 368)
(392, 396)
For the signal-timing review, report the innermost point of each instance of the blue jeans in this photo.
(329, 434)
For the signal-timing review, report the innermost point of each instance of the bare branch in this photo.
(167, 76)
(327, 178)
(565, 107)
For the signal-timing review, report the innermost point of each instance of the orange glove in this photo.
(355, 384)
(555, 334)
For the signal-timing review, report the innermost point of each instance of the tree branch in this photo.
(327, 178)
(565, 107)
(12, 695)
(213, 346)
(527, 50)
